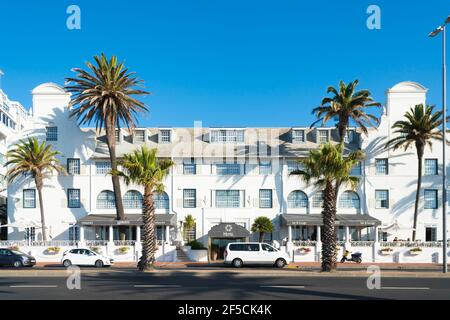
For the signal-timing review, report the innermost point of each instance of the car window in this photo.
(268, 248)
(253, 247)
(89, 253)
(237, 247)
(4, 252)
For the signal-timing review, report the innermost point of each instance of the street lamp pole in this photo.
(444, 140)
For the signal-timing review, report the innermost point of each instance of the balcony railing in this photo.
(124, 242)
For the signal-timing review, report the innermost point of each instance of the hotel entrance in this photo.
(222, 234)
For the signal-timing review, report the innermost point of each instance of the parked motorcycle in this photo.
(355, 257)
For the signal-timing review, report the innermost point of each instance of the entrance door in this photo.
(219, 244)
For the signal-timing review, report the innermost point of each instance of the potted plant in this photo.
(123, 250)
(386, 251)
(415, 251)
(53, 250)
(304, 250)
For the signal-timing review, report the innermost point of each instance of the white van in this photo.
(239, 253)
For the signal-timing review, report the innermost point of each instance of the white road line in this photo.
(156, 286)
(34, 286)
(404, 288)
(284, 287)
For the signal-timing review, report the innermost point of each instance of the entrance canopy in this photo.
(130, 220)
(348, 220)
(228, 230)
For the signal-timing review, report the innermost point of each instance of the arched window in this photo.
(297, 199)
(161, 200)
(349, 200)
(317, 200)
(132, 200)
(106, 200)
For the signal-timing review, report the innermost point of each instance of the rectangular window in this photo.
(29, 198)
(102, 167)
(323, 136)
(73, 198)
(382, 166)
(74, 234)
(430, 234)
(189, 168)
(189, 198)
(226, 169)
(431, 199)
(227, 136)
(228, 199)
(139, 136)
(431, 167)
(356, 170)
(349, 136)
(265, 167)
(265, 198)
(73, 166)
(317, 199)
(52, 133)
(298, 136)
(165, 136)
(382, 199)
(293, 165)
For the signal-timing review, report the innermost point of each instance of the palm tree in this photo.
(262, 225)
(142, 167)
(420, 128)
(327, 167)
(37, 159)
(346, 105)
(188, 225)
(104, 95)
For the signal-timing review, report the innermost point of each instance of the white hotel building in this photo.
(225, 178)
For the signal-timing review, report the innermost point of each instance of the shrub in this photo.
(96, 249)
(416, 250)
(54, 249)
(196, 245)
(123, 249)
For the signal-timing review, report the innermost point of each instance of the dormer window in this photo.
(139, 136)
(165, 136)
(298, 136)
(349, 136)
(227, 136)
(324, 136)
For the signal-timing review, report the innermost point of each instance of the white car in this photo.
(85, 257)
(239, 253)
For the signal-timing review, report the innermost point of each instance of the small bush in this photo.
(96, 249)
(124, 249)
(196, 245)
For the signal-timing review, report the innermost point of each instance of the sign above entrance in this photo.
(228, 230)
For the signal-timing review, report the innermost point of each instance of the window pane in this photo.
(29, 198)
(106, 200)
(293, 165)
(317, 200)
(228, 199)
(103, 167)
(297, 199)
(431, 167)
(165, 136)
(140, 136)
(132, 200)
(382, 199)
(265, 198)
(189, 198)
(189, 168)
(381, 166)
(349, 200)
(52, 134)
(224, 169)
(161, 200)
(73, 198)
(227, 136)
(356, 170)
(430, 199)
(73, 166)
(265, 167)
(298, 136)
(323, 136)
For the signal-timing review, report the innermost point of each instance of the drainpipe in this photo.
(172, 200)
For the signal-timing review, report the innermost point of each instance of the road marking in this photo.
(284, 287)
(34, 286)
(404, 288)
(156, 286)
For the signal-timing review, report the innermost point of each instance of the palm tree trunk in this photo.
(420, 151)
(329, 234)
(39, 184)
(111, 141)
(261, 236)
(149, 234)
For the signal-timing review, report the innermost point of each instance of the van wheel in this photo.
(237, 263)
(67, 263)
(280, 263)
(99, 263)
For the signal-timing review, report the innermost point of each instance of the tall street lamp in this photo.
(437, 31)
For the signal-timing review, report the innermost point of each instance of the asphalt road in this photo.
(204, 285)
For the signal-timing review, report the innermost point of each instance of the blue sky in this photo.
(227, 62)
